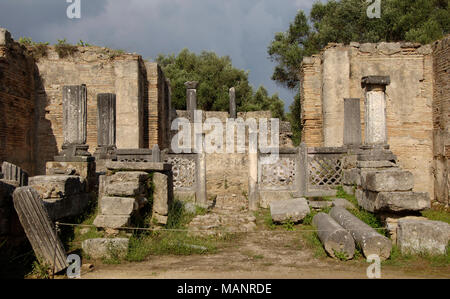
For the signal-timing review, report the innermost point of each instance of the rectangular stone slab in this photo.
(393, 201)
(422, 236)
(387, 181)
(38, 228)
(57, 186)
(138, 166)
(294, 209)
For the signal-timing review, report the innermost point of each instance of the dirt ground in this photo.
(262, 255)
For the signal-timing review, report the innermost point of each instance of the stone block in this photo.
(342, 202)
(105, 248)
(57, 186)
(295, 209)
(319, 204)
(86, 170)
(375, 164)
(13, 172)
(266, 197)
(112, 221)
(5, 37)
(387, 181)
(117, 205)
(392, 201)
(139, 166)
(69, 206)
(162, 195)
(422, 236)
(351, 177)
(128, 189)
(128, 177)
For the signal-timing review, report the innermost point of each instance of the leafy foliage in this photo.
(65, 49)
(343, 21)
(216, 75)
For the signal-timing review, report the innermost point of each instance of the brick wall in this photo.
(157, 115)
(311, 104)
(441, 119)
(17, 104)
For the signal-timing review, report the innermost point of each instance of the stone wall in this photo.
(17, 104)
(31, 124)
(227, 173)
(336, 74)
(441, 119)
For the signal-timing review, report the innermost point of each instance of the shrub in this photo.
(64, 49)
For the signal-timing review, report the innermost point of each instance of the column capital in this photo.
(191, 84)
(370, 81)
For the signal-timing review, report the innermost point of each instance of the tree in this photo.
(216, 75)
(345, 21)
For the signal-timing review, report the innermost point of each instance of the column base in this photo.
(106, 153)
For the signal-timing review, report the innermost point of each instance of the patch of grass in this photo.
(40, 270)
(65, 49)
(38, 50)
(312, 241)
(409, 260)
(342, 256)
(289, 225)
(437, 214)
(360, 213)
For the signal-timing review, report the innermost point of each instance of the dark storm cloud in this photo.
(241, 29)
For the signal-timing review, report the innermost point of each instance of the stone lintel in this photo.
(139, 166)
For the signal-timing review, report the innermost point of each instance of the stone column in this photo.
(191, 95)
(201, 194)
(233, 112)
(352, 122)
(75, 121)
(253, 194)
(375, 109)
(156, 154)
(106, 125)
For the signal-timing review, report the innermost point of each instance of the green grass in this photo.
(312, 241)
(163, 242)
(407, 260)
(437, 215)
(365, 216)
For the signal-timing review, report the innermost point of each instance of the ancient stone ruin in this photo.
(96, 127)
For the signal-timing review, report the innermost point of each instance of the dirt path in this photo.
(258, 256)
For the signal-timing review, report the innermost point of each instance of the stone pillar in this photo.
(201, 195)
(191, 95)
(74, 121)
(156, 154)
(375, 112)
(352, 122)
(253, 194)
(106, 126)
(233, 112)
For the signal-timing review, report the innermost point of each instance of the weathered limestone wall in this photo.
(17, 104)
(441, 119)
(409, 99)
(138, 98)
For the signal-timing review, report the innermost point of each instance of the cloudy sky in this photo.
(241, 29)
